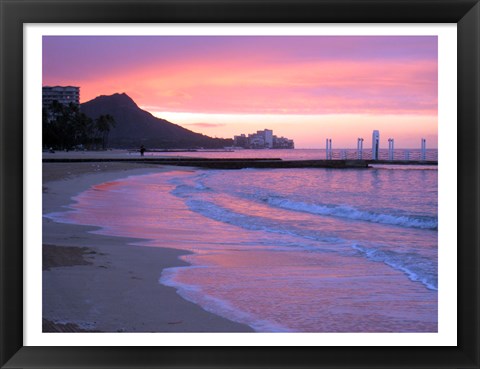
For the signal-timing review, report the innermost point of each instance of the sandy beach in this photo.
(96, 283)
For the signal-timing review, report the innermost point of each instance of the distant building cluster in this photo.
(62, 94)
(262, 140)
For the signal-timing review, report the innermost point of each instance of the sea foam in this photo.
(215, 305)
(417, 268)
(349, 212)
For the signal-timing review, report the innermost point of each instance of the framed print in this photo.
(238, 184)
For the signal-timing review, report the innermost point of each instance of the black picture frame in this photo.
(15, 13)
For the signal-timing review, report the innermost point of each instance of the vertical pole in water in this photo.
(390, 149)
(375, 144)
(407, 155)
(359, 148)
(328, 154)
(326, 149)
(424, 149)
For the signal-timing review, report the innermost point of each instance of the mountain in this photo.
(135, 127)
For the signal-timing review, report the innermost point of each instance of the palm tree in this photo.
(103, 124)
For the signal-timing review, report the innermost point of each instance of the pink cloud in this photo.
(206, 125)
(255, 87)
(271, 75)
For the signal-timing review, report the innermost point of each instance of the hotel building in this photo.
(62, 94)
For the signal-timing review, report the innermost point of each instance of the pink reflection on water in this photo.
(313, 292)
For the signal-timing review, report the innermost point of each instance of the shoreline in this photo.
(98, 283)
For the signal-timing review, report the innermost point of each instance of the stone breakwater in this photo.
(229, 163)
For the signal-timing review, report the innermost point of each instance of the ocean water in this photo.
(287, 250)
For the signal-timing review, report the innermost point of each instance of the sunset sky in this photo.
(307, 88)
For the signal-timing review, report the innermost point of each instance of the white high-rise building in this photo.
(268, 137)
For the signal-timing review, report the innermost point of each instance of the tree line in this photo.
(65, 127)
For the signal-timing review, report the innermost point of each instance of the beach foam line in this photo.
(345, 211)
(215, 305)
(253, 223)
(413, 265)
